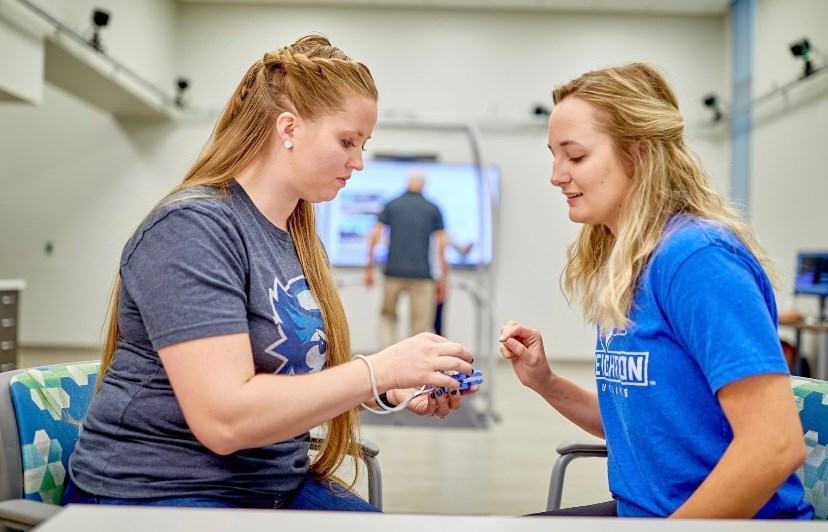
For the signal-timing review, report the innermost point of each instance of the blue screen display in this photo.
(462, 194)
(812, 273)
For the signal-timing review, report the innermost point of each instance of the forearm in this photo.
(577, 404)
(373, 240)
(287, 406)
(766, 431)
(736, 487)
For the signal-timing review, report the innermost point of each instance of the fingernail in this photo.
(432, 395)
(454, 392)
(439, 392)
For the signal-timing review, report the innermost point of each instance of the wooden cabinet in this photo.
(9, 320)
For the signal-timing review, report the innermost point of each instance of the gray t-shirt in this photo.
(200, 265)
(412, 219)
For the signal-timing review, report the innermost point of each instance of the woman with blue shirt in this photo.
(692, 394)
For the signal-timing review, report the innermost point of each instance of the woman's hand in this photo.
(435, 402)
(523, 347)
(420, 361)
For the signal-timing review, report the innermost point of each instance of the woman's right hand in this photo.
(523, 347)
(420, 360)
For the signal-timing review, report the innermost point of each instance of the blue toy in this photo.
(467, 381)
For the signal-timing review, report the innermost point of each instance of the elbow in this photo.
(791, 455)
(218, 437)
(799, 453)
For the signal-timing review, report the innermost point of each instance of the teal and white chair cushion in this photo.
(50, 404)
(811, 397)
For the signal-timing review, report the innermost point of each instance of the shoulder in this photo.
(185, 215)
(702, 246)
(207, 204)
(687, 235)
(393, 202)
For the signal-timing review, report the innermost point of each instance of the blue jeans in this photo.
(311, 495)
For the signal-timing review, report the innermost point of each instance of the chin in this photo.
(325, 197)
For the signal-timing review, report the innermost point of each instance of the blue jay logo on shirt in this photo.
(622, 367)
(302, 342)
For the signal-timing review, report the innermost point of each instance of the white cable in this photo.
(386, 409)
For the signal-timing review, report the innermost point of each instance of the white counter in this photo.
(12, 284)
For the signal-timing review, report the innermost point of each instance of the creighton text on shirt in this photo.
(624, 368)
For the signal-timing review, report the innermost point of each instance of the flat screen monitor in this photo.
(458, 189)
(812, 273)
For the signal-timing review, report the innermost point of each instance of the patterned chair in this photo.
(811, 397)
(41, 410)
(40, 414)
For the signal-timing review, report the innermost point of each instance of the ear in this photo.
(285, 126)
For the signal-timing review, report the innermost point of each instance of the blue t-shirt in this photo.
(703, 316)
(201, 264)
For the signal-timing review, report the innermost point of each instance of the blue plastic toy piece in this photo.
(467, 381)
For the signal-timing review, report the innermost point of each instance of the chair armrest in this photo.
(568, 451)
(572, 446)
(369, 451)
(25, 514)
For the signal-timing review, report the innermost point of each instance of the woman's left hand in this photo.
(438, 402)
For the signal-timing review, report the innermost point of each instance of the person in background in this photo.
(227, 340)
(437, 273)
(411, 220)
(692, 388)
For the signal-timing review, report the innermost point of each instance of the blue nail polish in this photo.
(432, 395)
(439, 392)
(454, 392)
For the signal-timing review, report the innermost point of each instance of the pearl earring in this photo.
(288, 144)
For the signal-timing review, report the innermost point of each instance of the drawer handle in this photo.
(8, 300)
(7, 322)
(6, 345)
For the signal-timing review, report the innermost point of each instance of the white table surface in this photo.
(155, 519)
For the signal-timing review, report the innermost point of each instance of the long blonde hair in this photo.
(635, 106)
(311, 78)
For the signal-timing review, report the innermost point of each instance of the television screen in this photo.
(458, 189)
(812, 273)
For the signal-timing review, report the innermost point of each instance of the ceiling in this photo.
(655, 7)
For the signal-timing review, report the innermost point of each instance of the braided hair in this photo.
(310, 78)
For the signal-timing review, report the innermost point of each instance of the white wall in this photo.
(74, 176)
(21, 63)
(140, 35)
(83, 180)
(789, 157)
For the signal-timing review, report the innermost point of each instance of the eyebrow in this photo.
(566, 143)
(355, 131)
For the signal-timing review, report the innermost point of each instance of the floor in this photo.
(500, 469)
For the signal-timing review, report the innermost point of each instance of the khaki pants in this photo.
(422, 296)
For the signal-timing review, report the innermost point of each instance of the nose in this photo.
(559, 177)
(357, 163)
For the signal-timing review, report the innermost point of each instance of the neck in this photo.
(268, 194)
